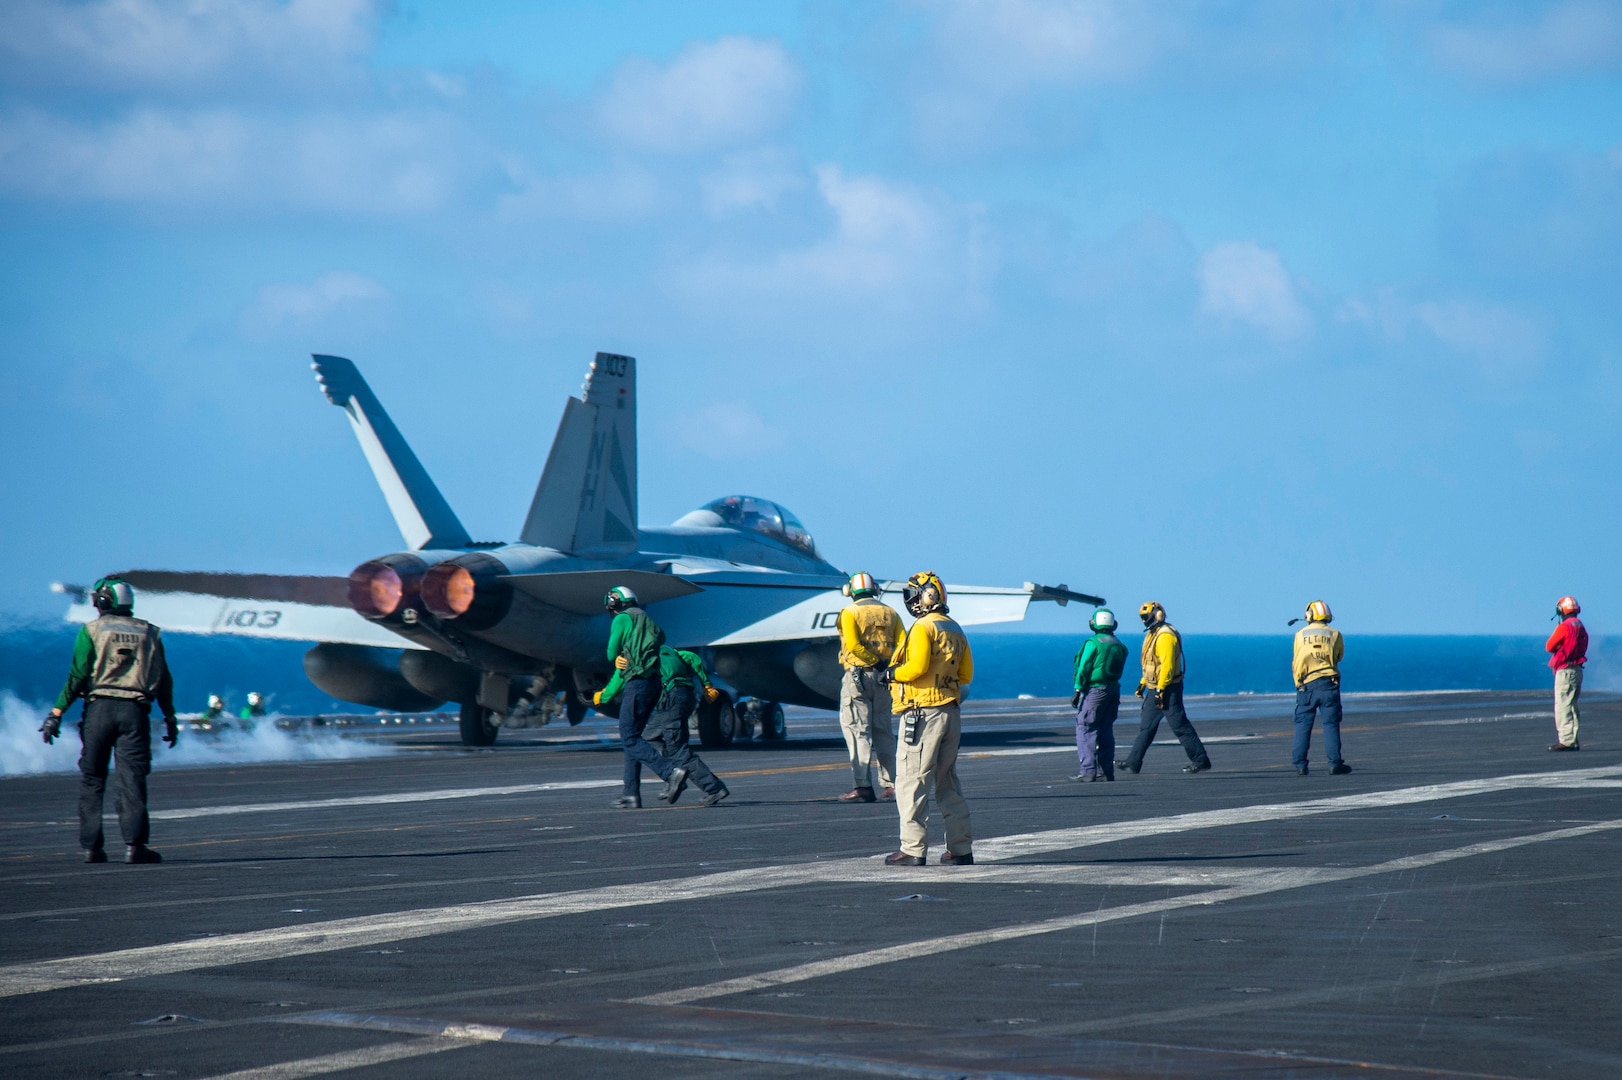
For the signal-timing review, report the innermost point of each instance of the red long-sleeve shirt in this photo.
(1568, 645)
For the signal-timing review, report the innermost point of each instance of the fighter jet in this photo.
(514, 632)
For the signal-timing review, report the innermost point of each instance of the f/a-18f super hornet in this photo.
(515, 632)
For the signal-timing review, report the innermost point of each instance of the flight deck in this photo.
(1451, 908)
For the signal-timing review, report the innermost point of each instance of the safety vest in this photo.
(948, 668)
(874, 627)
(1315, 652)
(1104, 665)
(634, 635)
(126, 664)
(1151, 659)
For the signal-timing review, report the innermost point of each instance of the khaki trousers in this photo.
(1568, 687)
(864, 717)
(931, 765)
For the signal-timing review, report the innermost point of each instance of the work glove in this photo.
(621, 664)
(1139, 690)
(171, 731)
(51, 728)
(711, 694)
(1160, 699)
(887, 676)
(597, 698)
(1075, 700)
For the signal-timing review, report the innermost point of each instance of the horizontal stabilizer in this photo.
(424, 517)
(582, 591)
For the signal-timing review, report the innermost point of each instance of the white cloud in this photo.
(154, 44)
(369, 163)
(1244, 282)
(753, 180)
(883, 229)
(714, 94)
(1496, 336)
(1025, 42)
(1571, 38)
(306, 306)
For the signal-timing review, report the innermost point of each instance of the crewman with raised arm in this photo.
(927, 676)
(668, 724)
(1161, 689)
(868, 631)
(1098, 698)
(633, 645)
(1316, 668)
(120, 670)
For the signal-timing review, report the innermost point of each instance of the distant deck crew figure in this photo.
(927, 674)
(633, 645)
(667, 725)
(251, 713)
(1568, 652)
(1316, 670)
(868, 632)
(119, 669)
(1098, 698)
(1161, 689)
(214, 714)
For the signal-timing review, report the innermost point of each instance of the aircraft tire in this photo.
(716, 724)
(743, 725)
(773, 728)
(477, 730)
(574, 709)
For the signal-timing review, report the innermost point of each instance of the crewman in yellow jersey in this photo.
(927, 675)
(1161, 689)
(1318, 651)
(868, 631)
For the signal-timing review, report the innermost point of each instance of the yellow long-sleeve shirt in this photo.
(1161, 657)
(869, 630)
(933, 664)
(1318, 651)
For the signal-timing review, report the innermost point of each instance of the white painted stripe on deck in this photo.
(1021, 751)
(348, 1059)
(338, 934)
(1277, 882)
(376, 800)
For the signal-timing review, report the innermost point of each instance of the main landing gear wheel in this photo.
(574, 708)
(773, 728)
(477, 730)
(716, 724)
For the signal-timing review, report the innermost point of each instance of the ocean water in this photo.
(34, 659)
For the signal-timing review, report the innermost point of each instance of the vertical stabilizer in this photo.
(424, 517)
(586, 499)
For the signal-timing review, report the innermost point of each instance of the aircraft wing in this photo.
(272, 606)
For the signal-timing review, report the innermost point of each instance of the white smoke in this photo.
(23, 751)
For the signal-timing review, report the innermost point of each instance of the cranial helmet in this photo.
(860, 585)
(254, 698)
(619, 598)
(1568, 605)
(1103, 621)
(215, 701)
(1151, 613)
(1318, 611)
(113, 594)
(924, 593)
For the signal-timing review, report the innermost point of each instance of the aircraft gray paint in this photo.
(515, 632)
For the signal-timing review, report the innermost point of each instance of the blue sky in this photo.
(1227, 305)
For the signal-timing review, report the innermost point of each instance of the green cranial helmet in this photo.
(1103, 621)
(619, 598)
(112, 594)
(860, 585)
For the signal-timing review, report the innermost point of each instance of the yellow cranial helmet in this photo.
(1151, 612)
(860, 585)
(924, 592)
(1318, 611)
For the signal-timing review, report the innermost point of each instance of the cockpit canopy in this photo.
(749, 514)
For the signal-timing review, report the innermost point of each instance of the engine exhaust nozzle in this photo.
(383, 588)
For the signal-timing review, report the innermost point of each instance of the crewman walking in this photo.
(119, 669)
(1161, 689)
(1316, 668)
(1568, 652)
(868, 632)
(667, 725)
(1098, 698)
(927, 675)
(633, 645)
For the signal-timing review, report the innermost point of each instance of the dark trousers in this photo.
(668, 727)
(636, 706)
(113, 725)
(1320, 697)
(1173, 714)
(1095, 730)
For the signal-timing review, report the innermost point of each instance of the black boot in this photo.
(140, 853)
(674, 786)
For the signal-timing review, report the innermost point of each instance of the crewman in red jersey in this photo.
(1568, 652)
